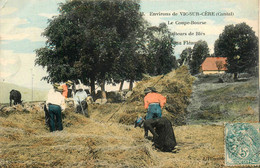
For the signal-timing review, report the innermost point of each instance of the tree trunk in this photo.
(131, 85)
(235, 76)
(121, 85)
(102, 85)
(92, 87)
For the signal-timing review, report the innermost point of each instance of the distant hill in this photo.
(5, 88)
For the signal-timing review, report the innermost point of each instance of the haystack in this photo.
(176, 86)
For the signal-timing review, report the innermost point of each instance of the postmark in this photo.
(242, 144)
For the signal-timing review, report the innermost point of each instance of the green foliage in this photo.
(240, 45)
(160, 49)
(199, 53)
(87, 40)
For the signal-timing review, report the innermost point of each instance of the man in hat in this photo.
(47, 115)
(80, 101)
(55, 104)
(154, 102)
(65, 87)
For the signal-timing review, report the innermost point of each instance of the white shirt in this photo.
(55, 97)
(80, 96)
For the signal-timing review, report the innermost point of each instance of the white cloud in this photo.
(7, 11)
(48, 15)
(32, 33)
(10, 30)
(7, 23)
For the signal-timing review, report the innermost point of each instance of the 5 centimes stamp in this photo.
(242, 144)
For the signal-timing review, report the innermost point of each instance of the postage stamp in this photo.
(242, 144)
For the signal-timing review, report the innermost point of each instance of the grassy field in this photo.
(223, 102)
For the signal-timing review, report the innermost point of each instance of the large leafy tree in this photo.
(131, 62)
(240, 45)
(160, 50)
(85, 41)
(199, 53)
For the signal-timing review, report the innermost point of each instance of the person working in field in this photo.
(163, 135)
(47, 114)
(55, 104)
(154, 102)
(65, 87)
(80, 101)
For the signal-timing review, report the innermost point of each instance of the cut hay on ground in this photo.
(89, 142)
(108, 138)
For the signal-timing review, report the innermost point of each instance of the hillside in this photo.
(108, 138)
(213, 102)
(5, 88)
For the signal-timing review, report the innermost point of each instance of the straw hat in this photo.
(69, 82)
(56, 85)
(147, 90)
(59, 89)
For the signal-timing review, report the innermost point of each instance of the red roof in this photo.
(210, 64)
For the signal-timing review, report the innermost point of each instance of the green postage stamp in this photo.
(242, 144)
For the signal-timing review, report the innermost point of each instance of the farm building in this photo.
(213, 65)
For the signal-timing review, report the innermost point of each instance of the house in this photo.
(213, 65)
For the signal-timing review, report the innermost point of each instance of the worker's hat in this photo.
(152, 89)
(56, 85)
(69, 82)
(147, 90)
(59, 89)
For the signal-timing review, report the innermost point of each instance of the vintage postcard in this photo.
(129, 83)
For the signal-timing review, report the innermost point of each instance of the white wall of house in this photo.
(213, 72)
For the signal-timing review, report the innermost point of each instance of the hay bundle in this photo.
(176, 86)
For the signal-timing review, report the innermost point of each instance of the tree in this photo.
(132, 58)
(160, 49)
(85, 41)
(240, 45)
(199, 53)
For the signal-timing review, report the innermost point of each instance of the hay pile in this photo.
(176, 86)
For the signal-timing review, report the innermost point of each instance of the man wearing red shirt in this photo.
(154, 102)
(65, 88)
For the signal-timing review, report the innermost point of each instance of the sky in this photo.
(23, 21)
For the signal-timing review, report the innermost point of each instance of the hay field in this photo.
(108, 138)
(90, 142)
